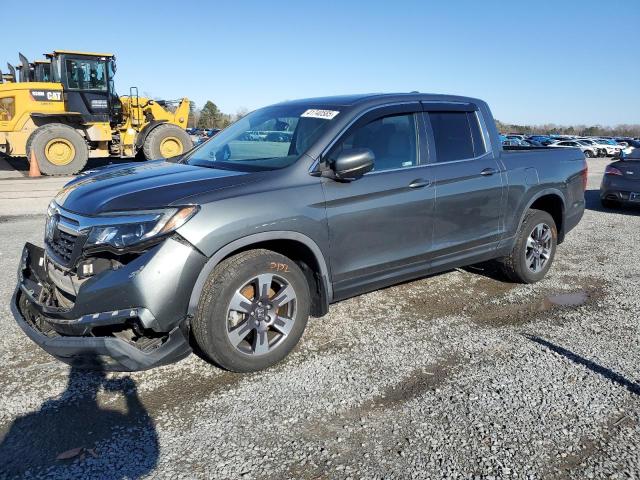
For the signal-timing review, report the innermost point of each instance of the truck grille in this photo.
(63, 244)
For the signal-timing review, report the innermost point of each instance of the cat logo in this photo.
(46, 95)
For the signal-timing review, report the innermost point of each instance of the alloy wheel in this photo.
(538, 250)
(261, 314)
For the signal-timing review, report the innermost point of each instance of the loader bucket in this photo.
(12, 71)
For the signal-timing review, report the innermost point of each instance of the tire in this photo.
(588, 154)
(230, 290)
(516, 265)
(166, 141)
(612, 204)
(59, 149)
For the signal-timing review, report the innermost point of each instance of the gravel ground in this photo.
(459, 375)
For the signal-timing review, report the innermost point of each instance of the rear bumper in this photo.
(618, 196)
(103, 339)
(619, 189)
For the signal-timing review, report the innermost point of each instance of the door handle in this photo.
(488, 171)
(419, 183)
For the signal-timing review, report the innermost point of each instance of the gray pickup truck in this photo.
(229, 249)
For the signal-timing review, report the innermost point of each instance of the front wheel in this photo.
(166, 141)
(252, 312)
(534, 250)
(58, 149)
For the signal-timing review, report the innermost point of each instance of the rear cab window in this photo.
(457, 135)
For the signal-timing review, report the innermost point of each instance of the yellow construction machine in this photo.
(65, 110)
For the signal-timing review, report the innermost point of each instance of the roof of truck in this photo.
(373, 98)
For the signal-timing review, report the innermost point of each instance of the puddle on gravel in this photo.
(573, 299)
(520, 313)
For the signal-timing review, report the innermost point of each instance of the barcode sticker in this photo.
(325, 114)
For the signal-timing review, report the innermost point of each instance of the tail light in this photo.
(612, 171)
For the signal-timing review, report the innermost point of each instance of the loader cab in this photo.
(87, 81)
(42, 71)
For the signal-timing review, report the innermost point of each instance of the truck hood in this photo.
(149, 185)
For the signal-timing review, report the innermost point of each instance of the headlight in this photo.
(144, 226)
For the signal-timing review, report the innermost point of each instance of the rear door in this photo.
(380, 225)
(468, 184)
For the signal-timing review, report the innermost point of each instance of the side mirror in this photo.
(353, 163)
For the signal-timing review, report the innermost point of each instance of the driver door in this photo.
(380, 225)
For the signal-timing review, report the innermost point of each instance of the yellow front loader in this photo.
(65, 110)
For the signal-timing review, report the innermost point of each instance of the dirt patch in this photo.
(418, 383)
(342, 437)
(453, 293)
(187, 389)
(587, 292)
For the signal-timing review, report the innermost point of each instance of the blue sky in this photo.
(534, 62)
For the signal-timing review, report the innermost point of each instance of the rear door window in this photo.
(457, 135)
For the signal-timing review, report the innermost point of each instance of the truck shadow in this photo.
(591, 365)
(592, 202)
(73, 436)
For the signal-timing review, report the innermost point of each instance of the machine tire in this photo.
(514, 265)
(55, 138)
(178, 142)
(211, 327)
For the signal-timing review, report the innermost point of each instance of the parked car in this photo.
(588, 151)
(621, 181)
(205, 134)
(235, 244)
(610, 148)
(542, 139)
(599, 151)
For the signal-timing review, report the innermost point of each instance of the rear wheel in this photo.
(252, 312)
(534, 250)
(58, 149)
(588, 154)
(166, 141)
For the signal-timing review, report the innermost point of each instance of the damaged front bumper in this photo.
(121, 320)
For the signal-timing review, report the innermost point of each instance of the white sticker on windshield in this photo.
(326, 114)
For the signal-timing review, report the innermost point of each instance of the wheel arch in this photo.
(297, 246)
(552, 201)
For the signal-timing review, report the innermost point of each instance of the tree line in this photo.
(623, 130)
(210, 116)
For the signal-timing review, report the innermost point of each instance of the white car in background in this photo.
(612, 148)
(600, 151)
(589, 152)
(626, 148)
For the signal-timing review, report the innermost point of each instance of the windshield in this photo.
(267, 139)
(86, 74)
